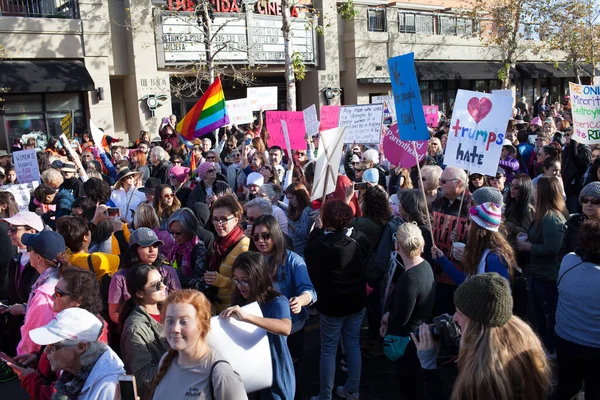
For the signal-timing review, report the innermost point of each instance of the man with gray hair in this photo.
(257, 207)
(448, 216)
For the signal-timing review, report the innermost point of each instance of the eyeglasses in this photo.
(59, 294)
(239, 283)
(592, 200)
(236, 155)
(55, 347)
(176, 233)
(515, 186)
(264, 236)
(158, 285)
(222, 221)
(300, 153)
(444, 181)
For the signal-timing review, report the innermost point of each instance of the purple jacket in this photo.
(511, 166)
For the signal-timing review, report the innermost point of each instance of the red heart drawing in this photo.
(479, 108)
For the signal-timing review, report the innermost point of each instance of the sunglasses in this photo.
(222, 221)
(236, 155)
(168, 196)
(158, 285)
(592, 200)
(59, 294)
(210, 157)
(258, 236)
(299, 153)
(495, 178)
(197, 149)
(358, 170)
(55, 347)
(240, 283)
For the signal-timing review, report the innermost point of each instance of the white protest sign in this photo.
(245, 347)
(330, 154)
(239, 111)
(265, 97)
(311, 123)
(363, 123)
(97, 134)
(507, 92)
(286, 136)
(477, 131)
(22, 193)
(26, 166)
(388, 104)
(585, 108)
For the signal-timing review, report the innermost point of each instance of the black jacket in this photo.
(576, 158)
(570, 243)
(75, 186)
(7, 251)
(336, 265)
(161, 171)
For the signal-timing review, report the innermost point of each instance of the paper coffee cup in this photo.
(522, 237)
(458, 250)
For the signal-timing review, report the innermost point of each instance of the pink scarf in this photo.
(181, 254)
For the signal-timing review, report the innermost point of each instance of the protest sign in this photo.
(239, 111)
(431, 116)
(443, 225)
(97, 134)
(22, 193)
(311, 122)
(585, 108)
(507, 92)
(262, 97)
(295, 125)
(26, 166)
(407, 98)
(330, 117)
(245, 347)
(330, 154)
(286, 136)
(66, 125)
(477, 131)
(389, 108)
(363, 123)
(401, 152)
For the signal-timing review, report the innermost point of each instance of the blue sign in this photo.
(407, 97)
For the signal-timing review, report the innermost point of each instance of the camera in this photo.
(443, 327)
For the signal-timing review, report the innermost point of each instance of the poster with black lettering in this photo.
(477, 131)
(585, 103)
(363, 123)
(26, 166)
(443, 225)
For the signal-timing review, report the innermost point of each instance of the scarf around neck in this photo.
(69, 385)
(181, 254)
(222, 246)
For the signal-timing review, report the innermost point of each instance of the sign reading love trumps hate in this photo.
(407, 97)
(477, 131)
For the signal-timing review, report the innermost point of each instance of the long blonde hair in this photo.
(501, 363)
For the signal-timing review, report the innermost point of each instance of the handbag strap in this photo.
(567, 271)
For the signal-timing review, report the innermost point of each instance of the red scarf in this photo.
(223, 245)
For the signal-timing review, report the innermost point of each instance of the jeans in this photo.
(331, 329)
(543, 296)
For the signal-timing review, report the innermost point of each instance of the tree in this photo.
(290, 77)
(573, 27)
(507, 25)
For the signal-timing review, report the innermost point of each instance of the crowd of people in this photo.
(476, 287)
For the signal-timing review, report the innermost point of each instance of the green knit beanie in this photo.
(485, 298)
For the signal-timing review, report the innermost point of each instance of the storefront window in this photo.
(424, 87)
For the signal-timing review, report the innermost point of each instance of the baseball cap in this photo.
(371, 176)
(73, 324)
(28, 218)
(47, 244)
(144, 237)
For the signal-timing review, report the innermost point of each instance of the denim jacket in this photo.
(292, 281)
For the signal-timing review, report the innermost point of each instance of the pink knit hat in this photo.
(203, 168)
(487, 215)
(536, 121)
(179, 172)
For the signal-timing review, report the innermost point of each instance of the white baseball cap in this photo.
(26, 218)
(70, 324)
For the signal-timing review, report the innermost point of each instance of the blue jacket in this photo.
(292, 281)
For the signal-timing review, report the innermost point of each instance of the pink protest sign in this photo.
(295, 125)
(401, 152)
(330, 117)
(431, 116)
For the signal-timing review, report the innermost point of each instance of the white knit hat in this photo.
(255, 179)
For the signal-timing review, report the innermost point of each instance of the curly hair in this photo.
(97, 190)
(203, 314)
(83, 286)
(588, 238)
(336, 214)
(375, 205)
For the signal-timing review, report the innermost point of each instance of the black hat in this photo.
(150, 186)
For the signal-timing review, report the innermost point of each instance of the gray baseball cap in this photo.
(144, 237)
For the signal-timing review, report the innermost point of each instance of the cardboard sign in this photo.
(431, 116)
(295, 125)
(22, 193)
(507, 92)
(239, 111)
(265, 97)
(401, 152)
(477, 131)
(585, 108)
(389, 108)
(26, 166)
(245, 347)
(330, 154)
(311, 122)
(363, 123)
(443, 225)
(407, 98)
(286, 136)
(330, 117)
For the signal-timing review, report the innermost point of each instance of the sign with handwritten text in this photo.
(330, 117)
(239, 111)
(262, 97)
(477, 131)
(431, 116)
(401, 152)
(585, 107)
(311, 122)
(363, 123)
(389, 108)
(26, 166)
(407, 97)
(295, 125)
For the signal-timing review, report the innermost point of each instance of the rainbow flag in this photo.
(208, 114)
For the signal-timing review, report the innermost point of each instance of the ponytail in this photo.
(164, 367)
